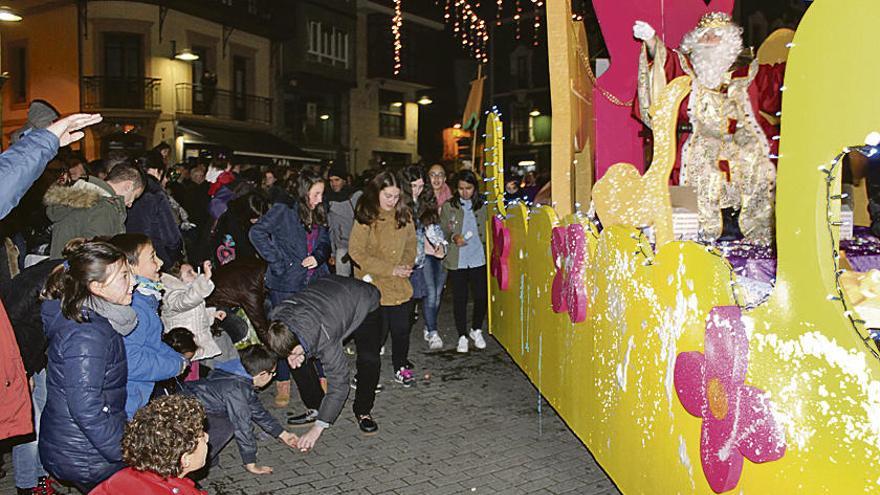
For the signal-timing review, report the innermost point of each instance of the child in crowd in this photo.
(463, 219)
(86, 312)
(383, 246)
(183, 305)
(164, 442)
(313, 324)
(149, 359)
(182, 341)
(230, 399)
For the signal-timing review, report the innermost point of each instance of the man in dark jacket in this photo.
(20, 166)
(92, 208)
(313, 323)
(231, 403)
(151, 215)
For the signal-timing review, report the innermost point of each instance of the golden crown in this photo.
(715, 20)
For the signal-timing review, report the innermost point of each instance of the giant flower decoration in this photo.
(737, 418)
(500, 253)
(569, 294)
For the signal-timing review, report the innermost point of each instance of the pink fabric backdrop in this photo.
(617, 131)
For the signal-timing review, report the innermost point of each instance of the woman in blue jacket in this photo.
(294, 240)
(86, 312)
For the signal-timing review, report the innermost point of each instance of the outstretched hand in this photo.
(289, 438)
(254, 469)
(68, 129)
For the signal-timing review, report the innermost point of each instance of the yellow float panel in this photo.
(618, 377)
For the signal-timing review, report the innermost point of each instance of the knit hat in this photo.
(40, 114)
(337, 171)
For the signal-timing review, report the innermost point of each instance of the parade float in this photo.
(655, 351)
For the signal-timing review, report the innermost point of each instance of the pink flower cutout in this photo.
(500, 253)
(568, 245)
(737, 419)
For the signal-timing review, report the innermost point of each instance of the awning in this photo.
(245, 143)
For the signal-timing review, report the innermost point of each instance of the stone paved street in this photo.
(471, 427)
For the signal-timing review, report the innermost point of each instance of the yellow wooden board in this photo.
(611, 377)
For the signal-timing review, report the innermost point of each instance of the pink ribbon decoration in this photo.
(500, 253)
(568, 245)
(737, 420)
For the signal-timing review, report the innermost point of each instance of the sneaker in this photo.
(404, 377)
(426, 334)
(303, 419)
(354, 385)
(366, 424)
(462, 345)
(434, 341)
(477, 336)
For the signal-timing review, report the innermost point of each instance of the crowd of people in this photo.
(148, 302)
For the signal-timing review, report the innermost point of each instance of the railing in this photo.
(198, 99)
(141, 93)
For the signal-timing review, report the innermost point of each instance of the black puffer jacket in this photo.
(322, 315)
(21, 296)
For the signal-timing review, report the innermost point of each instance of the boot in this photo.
(282, 393)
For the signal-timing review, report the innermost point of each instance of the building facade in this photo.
(132, 61)
(384, 105)
(318, 71)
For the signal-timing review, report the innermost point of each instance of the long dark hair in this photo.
(471, 178)
(249, 206)
(425, 206)
(299, 189)
(367, 210)
(85, 262)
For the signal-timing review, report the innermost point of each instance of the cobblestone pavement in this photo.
(470, 425)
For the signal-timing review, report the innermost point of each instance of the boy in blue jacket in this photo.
(149, 359)
(229, 394)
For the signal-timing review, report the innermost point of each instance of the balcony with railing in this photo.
(197, 99)
(123, 93)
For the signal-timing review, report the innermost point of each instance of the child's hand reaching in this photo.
(220, 315)
(289, 438)
(254, 469)
(207, 269)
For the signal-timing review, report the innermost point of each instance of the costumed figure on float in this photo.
(726, 125)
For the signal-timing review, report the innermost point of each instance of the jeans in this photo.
(435, 278)
(461, 279)
(25, 457)
(220, 432)
(399, 321)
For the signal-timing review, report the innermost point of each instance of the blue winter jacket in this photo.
(84, 418)
(149, 359)
(280, 238)
(22, 164)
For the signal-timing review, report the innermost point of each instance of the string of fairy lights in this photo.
(469, 28)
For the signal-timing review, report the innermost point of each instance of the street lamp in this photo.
(425, 100)
(8, 15)
(535, 113)
(186, 54)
